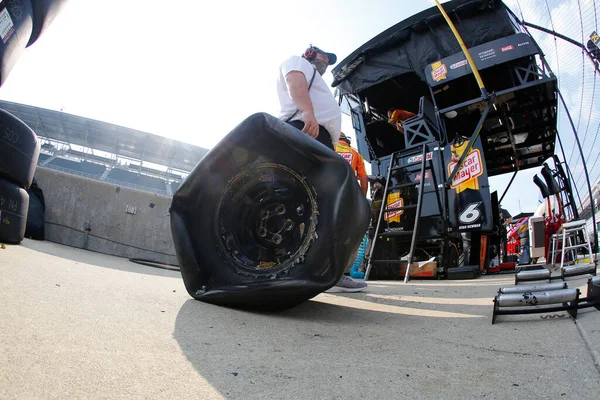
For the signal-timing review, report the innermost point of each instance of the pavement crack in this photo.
(516, 353)
(593, 352)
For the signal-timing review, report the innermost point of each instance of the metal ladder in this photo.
(395, 166)
(571, 232)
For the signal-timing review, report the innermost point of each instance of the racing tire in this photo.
(262, 220)
(17, 25)
(14, 202)
(19, 150)
(44, 12)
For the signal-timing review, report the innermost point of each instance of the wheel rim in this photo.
(266, 219)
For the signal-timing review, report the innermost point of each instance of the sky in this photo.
(191, 70)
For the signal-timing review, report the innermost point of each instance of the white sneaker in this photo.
(347, 285)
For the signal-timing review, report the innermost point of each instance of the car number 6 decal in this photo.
(470, 214)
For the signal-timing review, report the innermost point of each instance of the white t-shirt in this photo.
(327, 111)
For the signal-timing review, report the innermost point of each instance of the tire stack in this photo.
(21, 24)
(19, 152)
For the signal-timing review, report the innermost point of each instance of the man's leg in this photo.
(323, 138)
(345, 284)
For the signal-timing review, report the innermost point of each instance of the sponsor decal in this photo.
(266, 264)
(468, 173)
(6, 25)
(396, 229)
(427, 176)
(394, 200)
(347, 157)
(595, 38)
(415, 159)
(458, 64)
(487, 54)
(508, 48)
(523, 44)
(472, 226)
(470, 214)
(438, 71)
(267, 177)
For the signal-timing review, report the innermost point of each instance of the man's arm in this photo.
(364, 184)
(361, 172)
(298, 88)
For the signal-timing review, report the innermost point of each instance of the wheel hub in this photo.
(266, 219)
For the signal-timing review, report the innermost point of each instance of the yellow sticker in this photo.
(266, 264)
(394, 201)
(470, 170)
(438, 71)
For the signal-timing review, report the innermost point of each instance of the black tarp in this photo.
(420, 40)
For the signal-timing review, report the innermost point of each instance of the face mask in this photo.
(320, 65)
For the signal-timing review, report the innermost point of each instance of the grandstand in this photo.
(106, 152)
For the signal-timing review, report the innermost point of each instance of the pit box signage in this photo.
(484, 56)
(469, 200)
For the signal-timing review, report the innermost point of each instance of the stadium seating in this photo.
(139, 181)
(43, 157)
(116, 175)
(83, 168)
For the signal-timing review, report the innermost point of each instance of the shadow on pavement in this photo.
(94, 258)
(270, 355)
(306, 351)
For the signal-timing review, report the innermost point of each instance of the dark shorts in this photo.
(324, 136)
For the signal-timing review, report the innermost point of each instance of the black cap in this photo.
(332, 57)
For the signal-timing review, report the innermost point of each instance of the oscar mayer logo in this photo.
(471, 169)
(394, 201)
(347, 157)
(438, 71)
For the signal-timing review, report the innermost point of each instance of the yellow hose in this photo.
(463, 47)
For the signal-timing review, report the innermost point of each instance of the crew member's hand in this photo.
(311, 126)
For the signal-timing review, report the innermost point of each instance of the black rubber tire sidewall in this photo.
(14, 203)
(44, 12)
(19, 150)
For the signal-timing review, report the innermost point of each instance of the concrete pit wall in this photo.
(91, 215)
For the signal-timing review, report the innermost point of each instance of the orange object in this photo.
(356, 161)
(482, 252)
(397, 116)
(426, 270)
